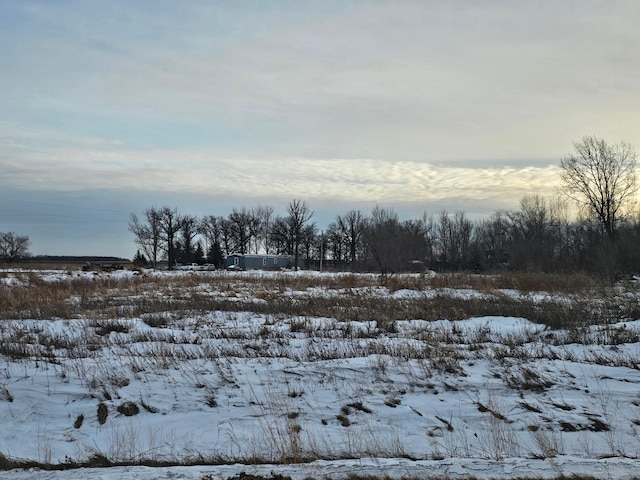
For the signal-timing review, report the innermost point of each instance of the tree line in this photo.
(538, 236)
(166, 234)
(535, 237)
(597, 176)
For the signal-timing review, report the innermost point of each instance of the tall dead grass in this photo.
(572, 283)
(576, 299)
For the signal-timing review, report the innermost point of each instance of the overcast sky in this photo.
(110, 107)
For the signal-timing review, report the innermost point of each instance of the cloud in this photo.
(419, 81)
(85, 164)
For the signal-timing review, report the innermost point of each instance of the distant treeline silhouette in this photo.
(537, 237)
(73, 259)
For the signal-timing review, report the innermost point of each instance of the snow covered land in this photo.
(210, 375)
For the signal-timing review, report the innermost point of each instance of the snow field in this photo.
(241, 387)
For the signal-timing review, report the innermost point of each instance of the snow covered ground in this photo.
(310, 396)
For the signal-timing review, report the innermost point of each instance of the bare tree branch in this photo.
(601, 178)
(13, 246)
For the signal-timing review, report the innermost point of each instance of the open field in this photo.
(209, 374)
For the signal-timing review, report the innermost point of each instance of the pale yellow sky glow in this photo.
(352, 180)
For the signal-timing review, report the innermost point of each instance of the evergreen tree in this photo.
(139, 260)
(198, 254)
(215, 255)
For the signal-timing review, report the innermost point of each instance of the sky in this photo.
(111, 107)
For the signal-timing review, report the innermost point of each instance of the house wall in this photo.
(259, 262)
(236, 260)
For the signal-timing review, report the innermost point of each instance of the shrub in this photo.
(103, 413)
(78, 422)
(128, 409)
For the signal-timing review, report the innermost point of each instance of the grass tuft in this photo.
(103, 413)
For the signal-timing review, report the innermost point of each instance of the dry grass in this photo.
(348, 297)
(202, 316)
(526, 282)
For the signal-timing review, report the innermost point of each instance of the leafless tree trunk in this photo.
(147, 233)
(299, 215)
(352, 227)
(171, 222)
(335, 240)
(226, 235)
(189, 232)
(308, 241)
(601, 178)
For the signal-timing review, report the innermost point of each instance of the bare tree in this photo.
(226, 236)
(532, 219)
(492, 240)
(188, 233)
(208, 227)
(335, 243)
(535, 233)
(147, 233)
(13, 246)
(352, 226)
(383, 234)
(243, 226)
(299, 215)
(280, 238)
(429, 231)
(264, 218)
(414, 245)
(601, 178)
(309, 237)
(171, 222)
(454, 238)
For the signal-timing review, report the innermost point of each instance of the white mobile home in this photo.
(239, 261)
